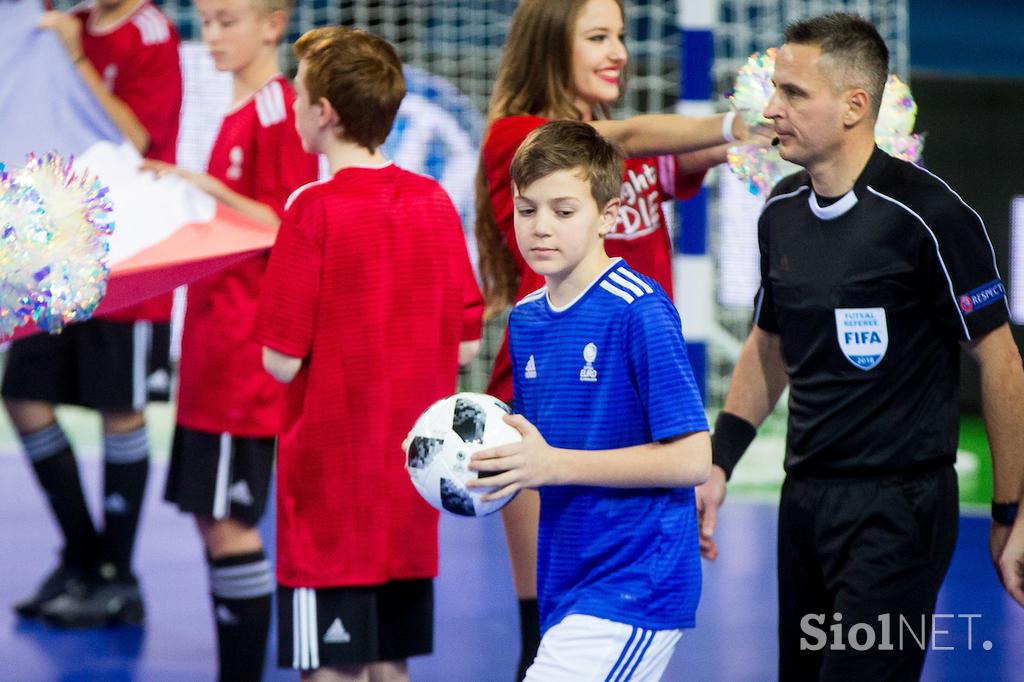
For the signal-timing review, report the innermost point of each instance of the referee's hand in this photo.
(710, 496)
(1008, 556)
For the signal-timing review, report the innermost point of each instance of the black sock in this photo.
(125, 470)
(529, 635)
(57, 473)
(241, 586)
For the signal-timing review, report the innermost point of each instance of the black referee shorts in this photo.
(344, 626)
(100, 364)
(872, 551)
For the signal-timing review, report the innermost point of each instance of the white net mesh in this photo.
(461, 40)
(747, 26)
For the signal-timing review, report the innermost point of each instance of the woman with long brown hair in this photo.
(566, 59)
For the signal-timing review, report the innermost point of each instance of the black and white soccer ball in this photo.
(441, 443)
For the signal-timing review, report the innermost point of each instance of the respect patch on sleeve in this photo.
(983, 296)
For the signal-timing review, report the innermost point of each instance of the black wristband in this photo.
(729, 440)
(1004, 513)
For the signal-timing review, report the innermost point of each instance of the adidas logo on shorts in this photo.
(337, 634)
(239, 492)
(159, 381)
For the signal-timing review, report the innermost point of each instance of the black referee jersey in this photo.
(871, 296)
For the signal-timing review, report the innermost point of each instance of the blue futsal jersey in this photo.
(609, 371)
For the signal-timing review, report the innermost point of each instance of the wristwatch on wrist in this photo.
(1004, 513)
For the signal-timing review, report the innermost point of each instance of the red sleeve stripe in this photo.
(152, 26)
(270, 104)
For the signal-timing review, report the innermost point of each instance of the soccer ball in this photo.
(441, 443)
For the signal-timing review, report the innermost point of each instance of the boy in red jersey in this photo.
(119, 48)
(228, 408)
(368, 332)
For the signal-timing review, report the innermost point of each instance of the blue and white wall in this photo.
(692, 266)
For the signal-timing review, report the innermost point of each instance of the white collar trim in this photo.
(832, 211)
(562, 309)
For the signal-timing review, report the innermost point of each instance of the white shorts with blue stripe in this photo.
(589, 649)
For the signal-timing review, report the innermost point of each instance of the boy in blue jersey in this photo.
(614, 433)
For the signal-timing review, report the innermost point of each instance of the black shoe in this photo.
(96, 603)
(55, 585)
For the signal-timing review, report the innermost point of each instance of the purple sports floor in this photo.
(476, 634)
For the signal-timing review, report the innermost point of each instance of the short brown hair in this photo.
(570, 145)
(359, 74)
(858, 54)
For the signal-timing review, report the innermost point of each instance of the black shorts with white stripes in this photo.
(99, 364)
(218, 476)
(342, 626)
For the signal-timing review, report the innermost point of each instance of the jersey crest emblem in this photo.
(588, 373)
(863, 335)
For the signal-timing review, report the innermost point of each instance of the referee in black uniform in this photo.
(874, 273)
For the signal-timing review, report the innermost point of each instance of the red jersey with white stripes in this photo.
(640, 235)
(138, 60)
(370, 284)
(223, 387)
